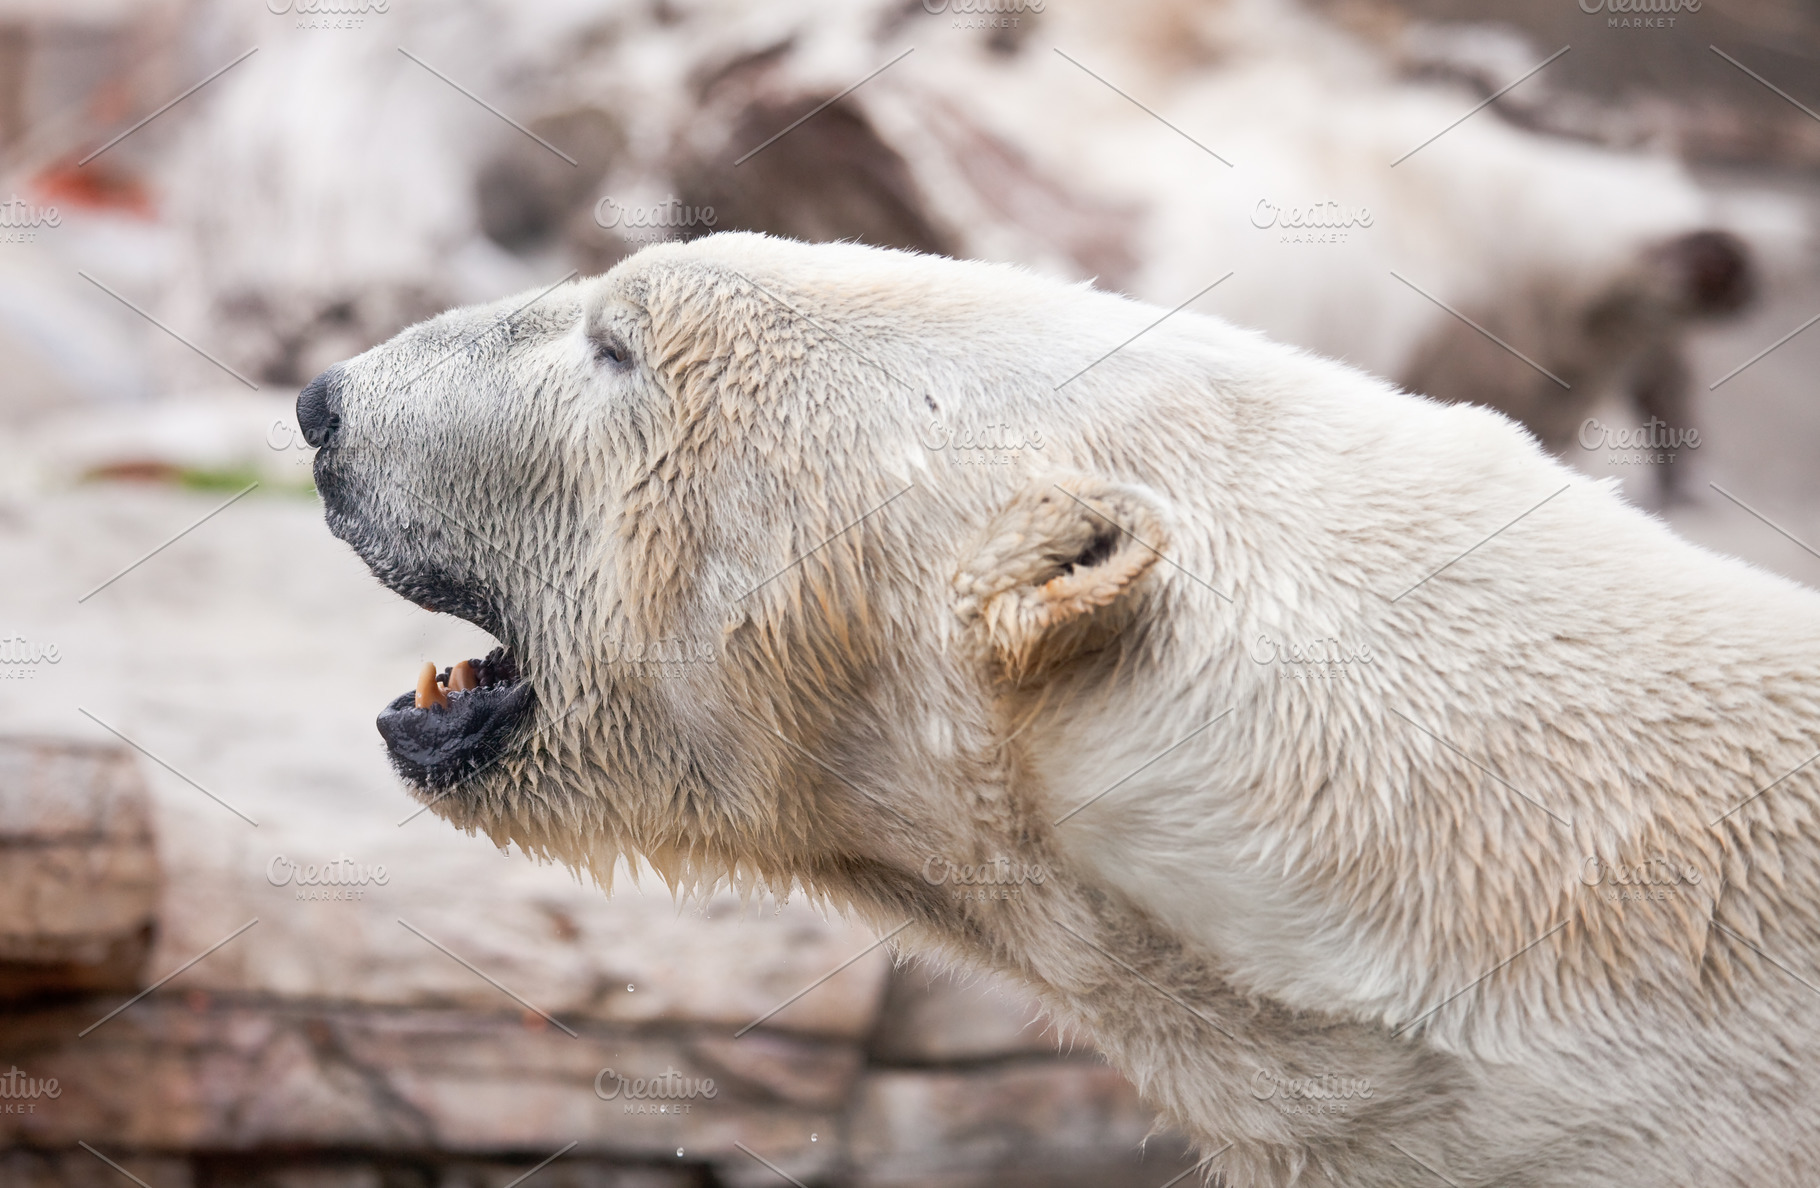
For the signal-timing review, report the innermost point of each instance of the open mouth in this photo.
(456, 721)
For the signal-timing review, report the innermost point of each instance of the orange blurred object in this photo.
(95, 186)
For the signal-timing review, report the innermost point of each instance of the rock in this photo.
(764, 1168)
(566, 1173)
(815, 1076)
(333, 1175)
(196, 1073)
(931, 1016)
(79, 875)
(1051, 1123)
(359, 1171)
(79, 1169)
(562, 946)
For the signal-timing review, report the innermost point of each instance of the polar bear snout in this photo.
(386, 490)
(319, 408)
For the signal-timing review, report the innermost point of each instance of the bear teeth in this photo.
(434, 689)
(463, 678)
(429, 691)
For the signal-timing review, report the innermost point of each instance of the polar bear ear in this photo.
(1056, 573)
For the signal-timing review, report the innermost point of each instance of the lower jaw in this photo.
(436, 746)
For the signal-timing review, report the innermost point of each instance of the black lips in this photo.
(439, 746)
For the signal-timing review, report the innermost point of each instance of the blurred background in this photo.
(1595, 215)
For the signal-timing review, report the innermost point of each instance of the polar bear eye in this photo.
(608, 348)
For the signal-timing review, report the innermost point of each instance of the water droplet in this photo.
(812, 1138)
(679, 1152)
(629, 988)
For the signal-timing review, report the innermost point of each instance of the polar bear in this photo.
(1390, 803)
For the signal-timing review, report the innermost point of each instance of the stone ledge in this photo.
(79, 878)
(337, 1093)
(195, 1073)
(79, 1169)
(1050, 1122)
(933, 1017)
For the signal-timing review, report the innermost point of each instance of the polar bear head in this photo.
(781, 543)
(853, 569)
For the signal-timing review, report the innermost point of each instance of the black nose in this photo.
(318, 409)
